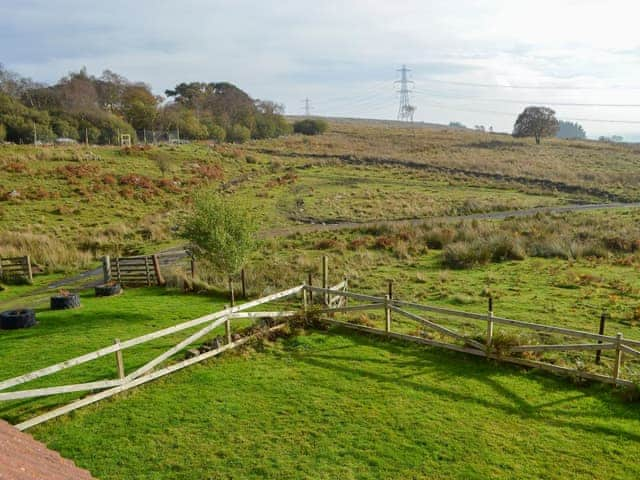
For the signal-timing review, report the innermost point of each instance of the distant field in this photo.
(110, 200)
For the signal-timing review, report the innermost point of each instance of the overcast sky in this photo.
(343, 55)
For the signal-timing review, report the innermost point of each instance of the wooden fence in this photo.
(140, 270)
(487, 346)
(16, 269)
(333, 301)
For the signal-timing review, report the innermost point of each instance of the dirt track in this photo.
(479, 216)
(89, 279)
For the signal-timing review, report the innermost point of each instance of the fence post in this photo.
(227, 329)
(618, 359)
(106, 268)
(325, 278)
(387, 314)
(232, 296)
(147, 270)
(156, 268)
(27, 260)
(345, 299)
(193, 267)
(603, 319)
(489, 326)
(305, 301)
(119, 359)
(243, 279)
(310, 283)
(390, 289)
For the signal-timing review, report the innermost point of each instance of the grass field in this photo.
(335, 405)
(107, 199)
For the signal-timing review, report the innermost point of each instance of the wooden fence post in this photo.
(193, 267)
(387, 314)
(310, 283)
(156, 268)
(232, 296)
(305, 302)
(603, 320)
(390, 289)
(119, 359)
(118, 270)
(345, 300)
(27, 261)
(618, 359)
(490, 325)
(325, 278)
(147, 271)
(106, 268)
(243, 279)
(227, 328)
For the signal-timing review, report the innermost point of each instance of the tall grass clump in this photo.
(49, 253)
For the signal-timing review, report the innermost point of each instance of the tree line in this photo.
(98, 109)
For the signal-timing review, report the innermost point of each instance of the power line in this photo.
(307, 107)
(493, 112)
(530, 87)
(532, 102)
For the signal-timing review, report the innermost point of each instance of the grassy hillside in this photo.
(88, 202)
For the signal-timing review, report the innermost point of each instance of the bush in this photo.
(221, 232)
(464, 255)
(217, 133)
(3, 133)
(238, 134)
(310, 127)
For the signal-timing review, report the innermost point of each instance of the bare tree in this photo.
(536, 122)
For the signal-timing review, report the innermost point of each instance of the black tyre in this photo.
(64, 302)
(12, 319)
(108, 290)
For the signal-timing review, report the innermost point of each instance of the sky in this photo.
(476, 62)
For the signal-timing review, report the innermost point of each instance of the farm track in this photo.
(529, 212)
(430, 167)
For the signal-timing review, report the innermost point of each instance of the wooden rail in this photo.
(618, 344)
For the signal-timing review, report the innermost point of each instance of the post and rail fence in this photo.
(330, 303)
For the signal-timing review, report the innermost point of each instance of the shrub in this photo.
(238, 134)
(310, 126)
(221, 232)
(217, 133)
(3, 132)
(165, 162)
(464, 255)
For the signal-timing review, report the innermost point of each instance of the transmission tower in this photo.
(307, 107)
(405, 109)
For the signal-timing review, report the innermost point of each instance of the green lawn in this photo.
(339, 405)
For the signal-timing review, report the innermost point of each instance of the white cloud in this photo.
(343, 54)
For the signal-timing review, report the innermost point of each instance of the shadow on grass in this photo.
(452, 366)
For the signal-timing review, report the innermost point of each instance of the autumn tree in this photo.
(536, 122)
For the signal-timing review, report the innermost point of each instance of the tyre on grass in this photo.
(13, 319)
(65, 301)
(108, 290)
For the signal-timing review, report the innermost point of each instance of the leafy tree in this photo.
(139, 106)
(310, 126)
(570, 130)
(216, 132)
(238, 134)
(536, 122)
(221, 231)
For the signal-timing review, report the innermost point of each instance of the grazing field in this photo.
(332, 404)
(70, 205)
(336, 405)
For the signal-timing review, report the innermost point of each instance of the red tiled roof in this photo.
(23, 458)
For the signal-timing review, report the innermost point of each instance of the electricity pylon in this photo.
(405, 109)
